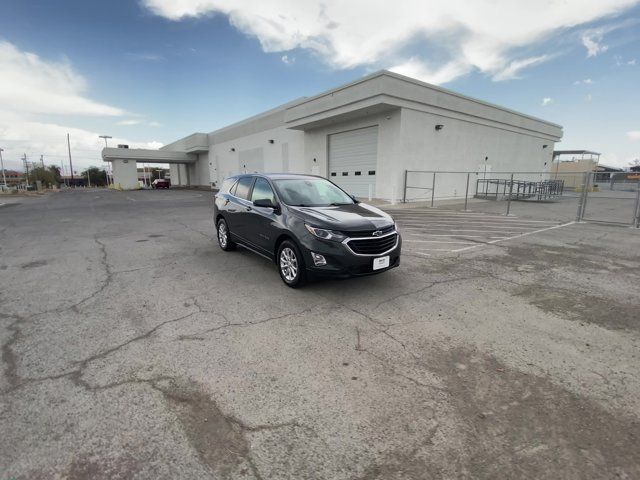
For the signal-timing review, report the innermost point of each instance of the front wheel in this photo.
(291, 265)
(224, 236)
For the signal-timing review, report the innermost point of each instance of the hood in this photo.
(352, 217)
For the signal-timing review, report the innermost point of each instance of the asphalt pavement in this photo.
(133, 347)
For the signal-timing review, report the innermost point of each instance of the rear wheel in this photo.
(291, 265)
(224, 236)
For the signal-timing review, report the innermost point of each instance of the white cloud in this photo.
(35, 138)
(129, 122)
(593, 43)
(418, 69)
(588, 97)
(586, 81)
(32, 87)
(512, 70)
(30, 84)
(546, 101)
(631, 62)
(287, 59)
(483, 35)
(144, 57)
(634, 135)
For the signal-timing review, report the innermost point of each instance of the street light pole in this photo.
(4, 177)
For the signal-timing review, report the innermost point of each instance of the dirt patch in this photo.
(582, 307)
(514, 425)
(34, 264)
(217, 439)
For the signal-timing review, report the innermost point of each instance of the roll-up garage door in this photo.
(353, 157)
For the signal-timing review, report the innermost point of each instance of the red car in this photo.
(161, 183)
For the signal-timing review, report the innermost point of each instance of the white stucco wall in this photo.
(462, 146)
(125, 174)
(285, 154)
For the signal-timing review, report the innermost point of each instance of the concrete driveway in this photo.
(133, 347)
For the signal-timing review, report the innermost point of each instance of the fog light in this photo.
(318, 260)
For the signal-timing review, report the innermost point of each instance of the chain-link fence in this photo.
(590, 196)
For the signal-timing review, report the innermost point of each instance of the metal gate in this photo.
(606, 201)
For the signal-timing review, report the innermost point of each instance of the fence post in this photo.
(510, 193)
(466, 192)
(581, 199)
(586, 194)
(433, 188)
(636, 210)
(404, 190)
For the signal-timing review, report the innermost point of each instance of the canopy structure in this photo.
(124, 163)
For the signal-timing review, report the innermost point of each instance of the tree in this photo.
(56, 173)
(46, 176)
(635, 165)
(96, 176)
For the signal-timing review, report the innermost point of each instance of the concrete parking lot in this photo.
(133, 347)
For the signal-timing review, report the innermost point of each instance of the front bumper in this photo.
(342, 261)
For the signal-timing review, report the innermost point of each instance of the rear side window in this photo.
(243, 187)
(262, 190)
(227, 184)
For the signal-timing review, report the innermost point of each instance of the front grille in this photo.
(369, 233)
(373, 246)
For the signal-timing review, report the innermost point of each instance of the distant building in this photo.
(14, 177)
(571, 165)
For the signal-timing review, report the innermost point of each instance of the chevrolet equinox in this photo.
(307, 225)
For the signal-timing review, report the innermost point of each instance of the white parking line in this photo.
(439, 241)
(469, 230)
(489, 225)
(516, 236)
(396, 214)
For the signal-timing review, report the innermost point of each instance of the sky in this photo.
(148, 72)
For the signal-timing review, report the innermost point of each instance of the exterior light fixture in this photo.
(232, 149)
(271, 140)
(439, 127)
(545, 146)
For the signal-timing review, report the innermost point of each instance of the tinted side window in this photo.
(243, 187)
(262, 190)
(227, 184)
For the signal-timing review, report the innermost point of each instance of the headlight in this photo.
(325, 234)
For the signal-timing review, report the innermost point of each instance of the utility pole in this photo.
(4, 177)
(106, 146)
(26, 166)
(42, 161)
(70, 164)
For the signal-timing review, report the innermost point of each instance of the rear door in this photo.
(263, 226)
(353, 157)
(239, 207)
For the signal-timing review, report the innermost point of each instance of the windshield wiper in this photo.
(334, 204)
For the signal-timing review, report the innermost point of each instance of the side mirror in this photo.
(264, 203)
(354, 198)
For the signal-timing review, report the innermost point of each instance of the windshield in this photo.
(311, 192)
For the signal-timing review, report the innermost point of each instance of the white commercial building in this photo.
(362, 136)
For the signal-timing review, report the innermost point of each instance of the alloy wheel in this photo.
(288, 264)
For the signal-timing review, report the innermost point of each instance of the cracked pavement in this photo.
(133, 347)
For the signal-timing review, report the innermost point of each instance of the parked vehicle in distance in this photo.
(161, 183)
(307, 225)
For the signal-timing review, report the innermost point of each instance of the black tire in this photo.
(224, 236)
(295, 261)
